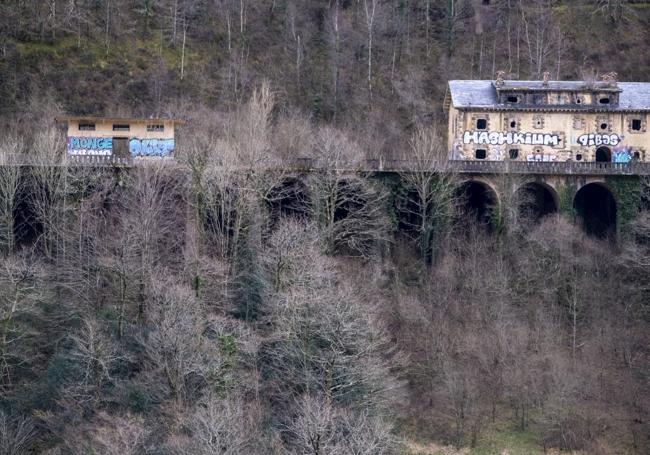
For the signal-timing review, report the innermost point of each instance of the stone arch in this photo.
(596, 210)
(603, 155)
(536, 200)
(287, 198)
(479, 201)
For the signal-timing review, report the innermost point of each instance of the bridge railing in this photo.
(476, 166)
(374, 165)
(26, 159)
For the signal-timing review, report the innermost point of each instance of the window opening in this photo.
(155, 128)
(121, 127)
(86, 127)
(604, 101)
(513, 153)
(636, 124)
(481, 124)
(480, 154)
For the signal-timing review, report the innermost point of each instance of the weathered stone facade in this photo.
(549, 120)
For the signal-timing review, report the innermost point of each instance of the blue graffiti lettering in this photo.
(90, 145)
(151, 147)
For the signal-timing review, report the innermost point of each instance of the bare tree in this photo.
(21, 290)
(11, 148)
(17, 433)
(176, 345)
(349, 210)
(430, 192)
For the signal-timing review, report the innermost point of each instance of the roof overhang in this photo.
(74, 118)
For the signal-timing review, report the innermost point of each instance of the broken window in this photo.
(86, 127)
(579, 99)
(636, 124)
(604, 100)
(538, 121)
(481, 124)
(118, 127)
(513, 98)
(155, 128)
(578, 156)
(513, 154)
(480, 154)
(603, 126)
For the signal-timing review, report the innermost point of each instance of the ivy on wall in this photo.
(565, 194)
(627, 192)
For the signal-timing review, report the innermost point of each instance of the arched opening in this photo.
(603, 155)
(27, 228)
(535, 201)
(595, 210)
(478, 202)
(287, 198)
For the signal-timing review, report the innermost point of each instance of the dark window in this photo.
(480, 154)
(603, 126)
(579, 157)
(513, 99)
(578, 100)
(513, 124)
(486, 2)
(481, 124)
(604, 100)
(636, 124)
(121, 127)
(637, 155)
(514, 154)
(86, 127)
(539, 98)
(155, 128)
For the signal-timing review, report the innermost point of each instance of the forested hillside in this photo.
(222, 305)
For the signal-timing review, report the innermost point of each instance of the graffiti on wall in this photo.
(86, 146)
(510, 138)
(545, 157)
(151, 147)
(622, 155)
(599, 139)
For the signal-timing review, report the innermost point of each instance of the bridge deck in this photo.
(382, 165)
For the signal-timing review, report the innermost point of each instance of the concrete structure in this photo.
(549, 121)
(119, 137)
(575, 147)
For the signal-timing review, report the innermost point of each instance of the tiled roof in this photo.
(634, 96)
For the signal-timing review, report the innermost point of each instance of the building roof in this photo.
(73, 118)
(482, 94)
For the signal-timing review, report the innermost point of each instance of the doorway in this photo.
(603, 155)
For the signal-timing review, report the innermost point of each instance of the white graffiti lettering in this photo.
(599, 139)
(510, 138)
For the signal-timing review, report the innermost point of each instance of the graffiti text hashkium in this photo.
(151, 147)
(599, 139)
(500, 138)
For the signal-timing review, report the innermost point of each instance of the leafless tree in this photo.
(176, 346)
(11, 149)
(17, 434)
(21, 290)
(431, 191)
(349, 210)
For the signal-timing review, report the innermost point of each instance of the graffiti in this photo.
(599, 139)
(510, 138)
(97, 146)
(151, 147)
(541, 157)
(622, 155)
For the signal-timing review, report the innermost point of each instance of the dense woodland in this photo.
(220, 305)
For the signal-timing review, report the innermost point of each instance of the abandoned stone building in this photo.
(120, 137)
(603, 121)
